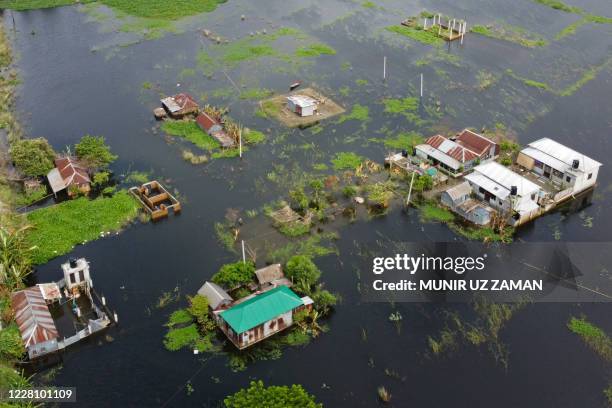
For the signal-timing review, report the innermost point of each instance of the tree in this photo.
(33, 157)
(93, 151)
(101, 178)
(235, 274)
(198, 308)
(300, 268)
(324, 301)
(275, 396)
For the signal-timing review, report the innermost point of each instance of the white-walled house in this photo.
(566, 168)
(302, 105)
(506, 191)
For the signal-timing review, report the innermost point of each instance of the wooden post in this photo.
(410, 189)
(425, 24)
(243, 253)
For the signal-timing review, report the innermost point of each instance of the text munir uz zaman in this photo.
(459, 265)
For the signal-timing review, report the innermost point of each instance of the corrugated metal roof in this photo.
(459, 190)
(33, 318)
(55, 180)
(564, 154)
(205, 121)
(502, 177)
(451, 148)
(302, 100)
(440, 156)
(269, 273)
(215, 294)
(261, 308)
(473, 141)
(179, 102)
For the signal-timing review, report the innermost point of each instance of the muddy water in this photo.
(80, 78)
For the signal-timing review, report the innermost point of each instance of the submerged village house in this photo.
(568, 171)
(180, 105)
(67, 174)
(215, 129)
(260, 315)
(459, 154)
(302, 105)
(52, 316)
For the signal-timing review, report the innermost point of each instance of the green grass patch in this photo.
(314, 50)
(57, 229)
(368, 4)
(21, 5)
(313, 246)
(587, 76)
(431, 212)
(361, 82)
(401, 105)
(404, 140)
(571, 29)
(358, 112)
(417, 34)
(515, 34)
(162, 9)
(189, 130)
(294, 229)
(251, 136)
(11, 346)
(593, 336)
(558, 5)
(347, 161)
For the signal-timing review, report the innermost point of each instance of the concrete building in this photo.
(565, 168)
(506, 191)
(302, 105)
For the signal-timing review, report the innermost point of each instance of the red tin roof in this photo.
(33, 317)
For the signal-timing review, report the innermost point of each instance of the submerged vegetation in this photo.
(418, 34)
(506, 32)
(57, 229)
(593, 336)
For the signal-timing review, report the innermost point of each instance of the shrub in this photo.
(324, 301)
(33, 157)
(300, 268)
(235, 274)
(257, 395)
(93, 151)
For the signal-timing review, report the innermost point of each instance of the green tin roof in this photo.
(261, 308)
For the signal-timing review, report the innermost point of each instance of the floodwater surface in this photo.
(80, 75)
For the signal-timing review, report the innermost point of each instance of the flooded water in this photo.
(80, 75)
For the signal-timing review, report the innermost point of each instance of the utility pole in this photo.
(243, 253)
(421, 86)
(410, 190)
(240, 153)
(384, 68)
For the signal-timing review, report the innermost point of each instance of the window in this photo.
(81, 276)
(568, 179)
(481, 190)
(590, 176)
(533, 197)
(538, 164)
(72, 278)
(557, 173)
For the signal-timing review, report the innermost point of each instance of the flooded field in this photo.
(83, 70)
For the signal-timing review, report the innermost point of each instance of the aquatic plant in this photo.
(167, 297)
(358, 112)
(314, 50)
(313, 246)
(593, 336)
(177, 338)
(347, 161)
(256, 93)
(432, 212)
(427, 37)
(179, 317)
(507, 32)
(383, 394)
(57, 229)
(558, 5)
(193, 158)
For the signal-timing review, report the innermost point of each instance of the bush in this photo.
(11, 346)
(178, 338)
(257, 395)
(33, 157)
(100, 178)
(324, 301)
(198, 308)
(235, 274)
(93, 151)
(300, 268)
